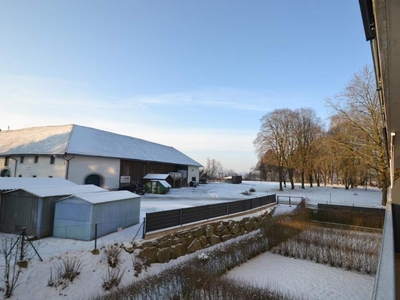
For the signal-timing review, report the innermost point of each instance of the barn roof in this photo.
(61, 190)
(81, 140)
(12, 183)
(96, 198)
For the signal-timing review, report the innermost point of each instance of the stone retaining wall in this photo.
(174, 245)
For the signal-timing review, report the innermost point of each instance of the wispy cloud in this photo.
(31, 101)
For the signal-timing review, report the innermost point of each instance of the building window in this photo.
(21, 159)
(36, 159)
(6, 161)
(52, 159)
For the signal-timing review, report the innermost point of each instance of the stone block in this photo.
(178, 251)
(203, 240)
(215, 239)
(226, 237)
(149, 254)
(194, 246)
(209, 231)
(164, 255)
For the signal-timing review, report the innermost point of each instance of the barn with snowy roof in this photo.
(86, 155)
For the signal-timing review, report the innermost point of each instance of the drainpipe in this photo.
(67, 159)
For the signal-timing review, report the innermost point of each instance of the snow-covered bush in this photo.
(112, 278)
(113, 254)
(65, 271)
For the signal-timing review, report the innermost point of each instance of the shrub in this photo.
(252, 190)
(347, 249)
(139, 265)
(113, 254)
(66, 270)
(112, 278)
(12, 265)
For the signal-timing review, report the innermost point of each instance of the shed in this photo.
(158, 187)
(75, 216)
(236, 179)
(165, 177)
(13, 183)
(33, 207)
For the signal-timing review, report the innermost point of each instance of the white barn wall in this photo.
(82, 166)
(29, 168)
(193, 172)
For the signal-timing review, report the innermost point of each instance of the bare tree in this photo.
(359, 109)
(275, 137)
(213, 169)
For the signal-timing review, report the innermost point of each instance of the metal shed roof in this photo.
(156, 176)
(60, 190)
(164, 183)
(96, 198)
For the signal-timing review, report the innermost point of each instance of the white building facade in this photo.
(86, 156)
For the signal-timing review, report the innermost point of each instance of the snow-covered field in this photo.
(301, 277)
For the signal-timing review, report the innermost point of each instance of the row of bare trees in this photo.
(294, 143)
(214, 169)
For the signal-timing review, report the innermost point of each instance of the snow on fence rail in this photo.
(178, 217)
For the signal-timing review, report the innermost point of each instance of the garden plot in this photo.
(318, 263)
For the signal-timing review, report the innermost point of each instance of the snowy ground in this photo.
(33, 281)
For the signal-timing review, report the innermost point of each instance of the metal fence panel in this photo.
(177, 217)
(163, 219)
(236, 206)
(217, 210)
(193, 214)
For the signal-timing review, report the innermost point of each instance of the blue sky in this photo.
(195, 75)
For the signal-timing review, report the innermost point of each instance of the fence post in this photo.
(227, 208)
(21, 257)
(144, 227)
(181, 217)
(95, 235)
(290, 201)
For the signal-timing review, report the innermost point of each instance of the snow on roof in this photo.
(156, 176)
(75, 139)
(61, 190)
(12, 183)
(35, 140)
(96, 198)
(164, 183)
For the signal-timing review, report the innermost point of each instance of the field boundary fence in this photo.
(178, 217)
(290, 200)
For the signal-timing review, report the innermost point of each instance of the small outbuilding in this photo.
(76, 216)
(158, 187)
(32, 207)
(165, 177)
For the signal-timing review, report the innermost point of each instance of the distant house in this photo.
(86, 155)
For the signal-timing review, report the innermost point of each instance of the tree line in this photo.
(295, 145)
